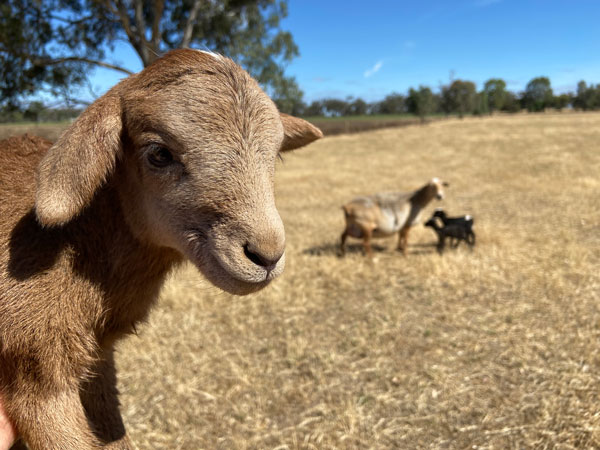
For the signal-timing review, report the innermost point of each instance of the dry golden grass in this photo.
(498, 348)
(49, 131)
(491, 349)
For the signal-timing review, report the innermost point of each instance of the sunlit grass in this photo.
(495, 348)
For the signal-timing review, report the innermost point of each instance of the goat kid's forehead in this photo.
(201, 95)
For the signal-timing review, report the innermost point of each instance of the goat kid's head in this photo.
(191, 144)
(439, 212)
(431, 223)
(436, 187)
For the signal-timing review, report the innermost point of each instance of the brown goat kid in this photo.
(174, 163)
(388, 213)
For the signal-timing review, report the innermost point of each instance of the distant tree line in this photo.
(459, 97)
(36, 111)
(456, 98)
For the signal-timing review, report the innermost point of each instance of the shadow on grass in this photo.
(422, 249)
(333, 249)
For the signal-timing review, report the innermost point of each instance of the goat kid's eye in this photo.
(159, 157)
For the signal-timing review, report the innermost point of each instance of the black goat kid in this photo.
(455, 231)
(464, 221)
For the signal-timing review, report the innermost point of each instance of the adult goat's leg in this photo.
(343, 242)
(403, 239)
(367, 242)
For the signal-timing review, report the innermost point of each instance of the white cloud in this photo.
(373, 70)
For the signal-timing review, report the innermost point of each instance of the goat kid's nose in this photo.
(268, 262)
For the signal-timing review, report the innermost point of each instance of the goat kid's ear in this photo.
(79, 162)
(297, 132)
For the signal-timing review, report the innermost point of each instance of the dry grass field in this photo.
(498, 348)
(49, 131)
(355, 124)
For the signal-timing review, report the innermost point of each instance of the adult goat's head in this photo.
(191, 144)
(436, 187)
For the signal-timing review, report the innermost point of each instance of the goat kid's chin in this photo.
(228, 267)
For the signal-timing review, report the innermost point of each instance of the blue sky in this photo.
(369, 49)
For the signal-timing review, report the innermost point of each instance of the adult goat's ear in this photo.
(79, 162)
(297, 132)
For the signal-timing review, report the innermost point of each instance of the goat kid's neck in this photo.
(126, 272)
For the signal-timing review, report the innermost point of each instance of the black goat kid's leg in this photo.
(471, 238)
(441, 244)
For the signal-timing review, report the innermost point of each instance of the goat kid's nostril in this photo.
(261, 260)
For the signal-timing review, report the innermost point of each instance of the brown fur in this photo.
(385, 214)
(89, 230)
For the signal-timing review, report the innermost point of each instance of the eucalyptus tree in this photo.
(54, 45)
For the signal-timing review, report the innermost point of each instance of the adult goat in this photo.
(385, 214)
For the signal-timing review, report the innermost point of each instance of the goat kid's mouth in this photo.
(227, 266)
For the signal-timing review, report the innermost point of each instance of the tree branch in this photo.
(140, 23)
(159, 6)
(54, 62)
(66, 100)
(111, 7)
(149, 54)
(71, 22)
(121, 12)
(189, 26)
